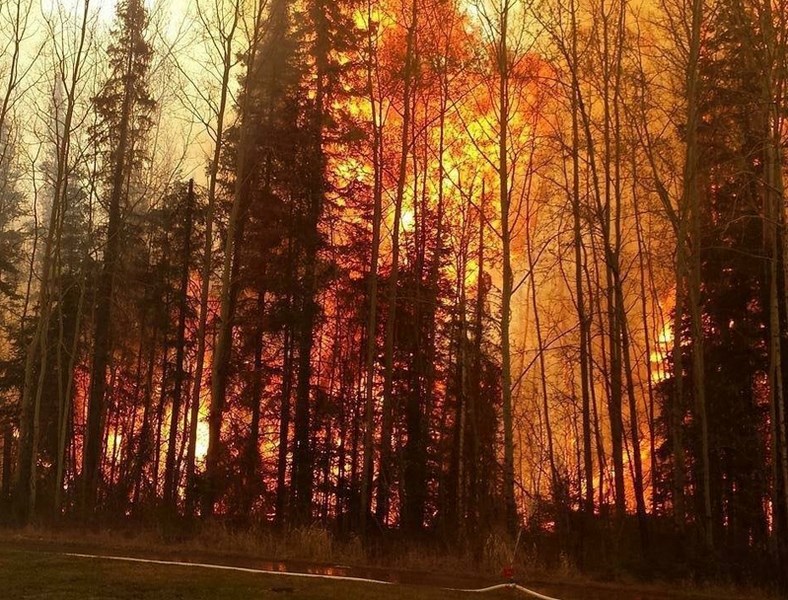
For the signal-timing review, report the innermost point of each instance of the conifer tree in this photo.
(124, 107)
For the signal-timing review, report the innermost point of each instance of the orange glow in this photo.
(663, 346)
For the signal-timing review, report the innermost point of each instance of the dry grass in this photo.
(306, 544)
(309, 544)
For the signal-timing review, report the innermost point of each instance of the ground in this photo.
(34, 575)
(43, 569)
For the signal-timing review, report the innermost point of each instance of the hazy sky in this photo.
(180, 133)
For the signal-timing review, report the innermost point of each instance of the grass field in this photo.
(38, 566)
(39, 575)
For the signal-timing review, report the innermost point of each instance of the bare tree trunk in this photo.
(227, 41)
(691, 204)
(475, 397)
(251, 461)
(650, 403)
(223, 349)
(461, 409)
(377, 211)
(8, 449)
(165, 369)
(26, 472)
(170, 476)
(555, 483)
(583, 320)
(65, 414)
(284, 429)
(510, 506)
(638, 485)
(386, 475)
(775, 44)
(611, 166)
(145, 437)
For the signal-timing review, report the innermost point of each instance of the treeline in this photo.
(458, 268)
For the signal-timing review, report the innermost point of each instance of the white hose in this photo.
(227, 568)
(501, 586)
(532, 593)
(150, 561)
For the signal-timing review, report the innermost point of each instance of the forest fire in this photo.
(663, 346)
(445, 270)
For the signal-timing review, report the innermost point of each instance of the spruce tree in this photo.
(123, 107)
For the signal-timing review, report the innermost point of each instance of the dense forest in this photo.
(401, 269)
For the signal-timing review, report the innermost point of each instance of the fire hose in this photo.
(510, 585)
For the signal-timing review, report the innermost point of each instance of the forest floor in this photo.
(40, 565)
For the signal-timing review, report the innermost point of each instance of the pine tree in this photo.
(123, 106)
